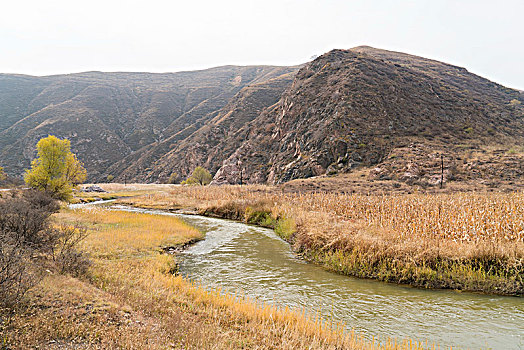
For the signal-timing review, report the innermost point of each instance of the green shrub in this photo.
(173, 179)
(200, 176)
(285, 228)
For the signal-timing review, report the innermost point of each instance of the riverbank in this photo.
(461, 241)
(131, 298)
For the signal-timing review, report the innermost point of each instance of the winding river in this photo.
(254, 261)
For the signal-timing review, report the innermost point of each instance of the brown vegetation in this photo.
(29, 243)
(461, 241)
(131, 299)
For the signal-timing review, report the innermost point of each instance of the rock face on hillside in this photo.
(353, 108)
(210, 144)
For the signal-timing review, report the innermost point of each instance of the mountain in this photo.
(384, 115)
(197, 144)
(109, 116)
(390, 112)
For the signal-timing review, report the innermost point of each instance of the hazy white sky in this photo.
(43, 37)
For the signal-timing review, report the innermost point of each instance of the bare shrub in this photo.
(27, 240)
(26, 221)
(41, 200)
(24, 236)
(17, 273)
(67, 258)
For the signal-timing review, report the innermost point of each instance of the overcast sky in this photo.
(44, 37)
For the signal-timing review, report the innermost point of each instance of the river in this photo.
(254, 261)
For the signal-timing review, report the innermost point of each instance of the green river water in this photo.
(254, 261)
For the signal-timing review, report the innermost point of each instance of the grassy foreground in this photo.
(132, 299)
(464, 241)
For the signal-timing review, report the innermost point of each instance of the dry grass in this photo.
(132, 300)
(116, 234)
(133, 187)
(115, 190)
(458, 217)
(66, 313)
(468, 241)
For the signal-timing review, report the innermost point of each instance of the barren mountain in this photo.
(394, 112)
(108, 116)
(196, 145)
(382, 114)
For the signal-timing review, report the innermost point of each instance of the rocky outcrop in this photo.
(350, 109)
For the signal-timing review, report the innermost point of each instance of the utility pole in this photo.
(441, 170)
(240, 176)
(239, 164)
(125, 183)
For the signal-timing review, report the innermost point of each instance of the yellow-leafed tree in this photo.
(56, 170)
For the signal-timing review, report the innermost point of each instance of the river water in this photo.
(254, 261)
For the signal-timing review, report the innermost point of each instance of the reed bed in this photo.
(457, 216)
(469, 241)
(462, 217)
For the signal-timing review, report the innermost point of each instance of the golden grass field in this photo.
(131, 299)
(468, 241)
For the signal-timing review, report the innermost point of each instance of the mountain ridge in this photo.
(107, 116)
(433, 102)
(347, 110)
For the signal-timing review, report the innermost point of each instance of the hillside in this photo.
(197, 144)
(386, 116)
(390, 112)
(108, 116)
